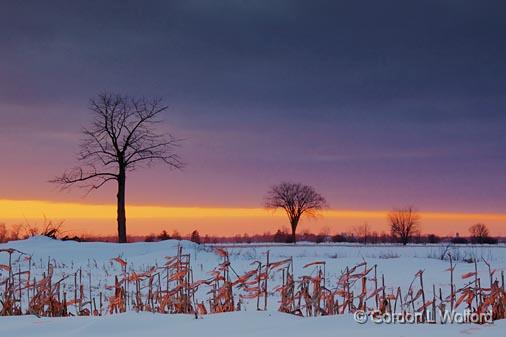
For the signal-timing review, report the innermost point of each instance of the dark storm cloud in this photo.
(277, 54)
(374, 86)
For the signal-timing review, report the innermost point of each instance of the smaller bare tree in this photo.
(404, 223)
(296, 199)
(479, 233)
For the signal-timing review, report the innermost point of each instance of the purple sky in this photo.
(376, 103)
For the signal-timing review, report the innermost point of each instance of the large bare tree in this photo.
(296, 199)
(123, 137)
(404, 223)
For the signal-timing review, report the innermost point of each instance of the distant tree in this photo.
(324, 235)
(479, 233)
(385, 237)
(3, 233)
(297, 200)
(195, 237)
(404, 223)
(122, 138)
(319, 238)
(15, 232)
(362, 232)
(305, 236)
(175, 235)
(281, 236)
(246, 238)
(164, 236)
(373, 237)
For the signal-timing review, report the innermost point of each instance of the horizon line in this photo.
(134, 208)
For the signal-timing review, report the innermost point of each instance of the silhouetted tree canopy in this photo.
(297, 200)
(404, 223)
(122, 137)
(480, 234)
(195, 237)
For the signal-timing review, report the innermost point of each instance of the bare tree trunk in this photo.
(294, 224)
(121, 206)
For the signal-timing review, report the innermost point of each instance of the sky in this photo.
(377, 104)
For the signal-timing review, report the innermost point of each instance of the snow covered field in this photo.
(254, 324)
(398, 264)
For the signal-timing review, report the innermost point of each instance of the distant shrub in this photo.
(72, 238)
(320, 238)
(433, 238)
(339, 238)
(486, 240)
(51, 229)
(150, 238)
(459, 240)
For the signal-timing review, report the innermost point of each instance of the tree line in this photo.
(359, 234)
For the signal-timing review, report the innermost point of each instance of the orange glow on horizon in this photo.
(99, 219)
